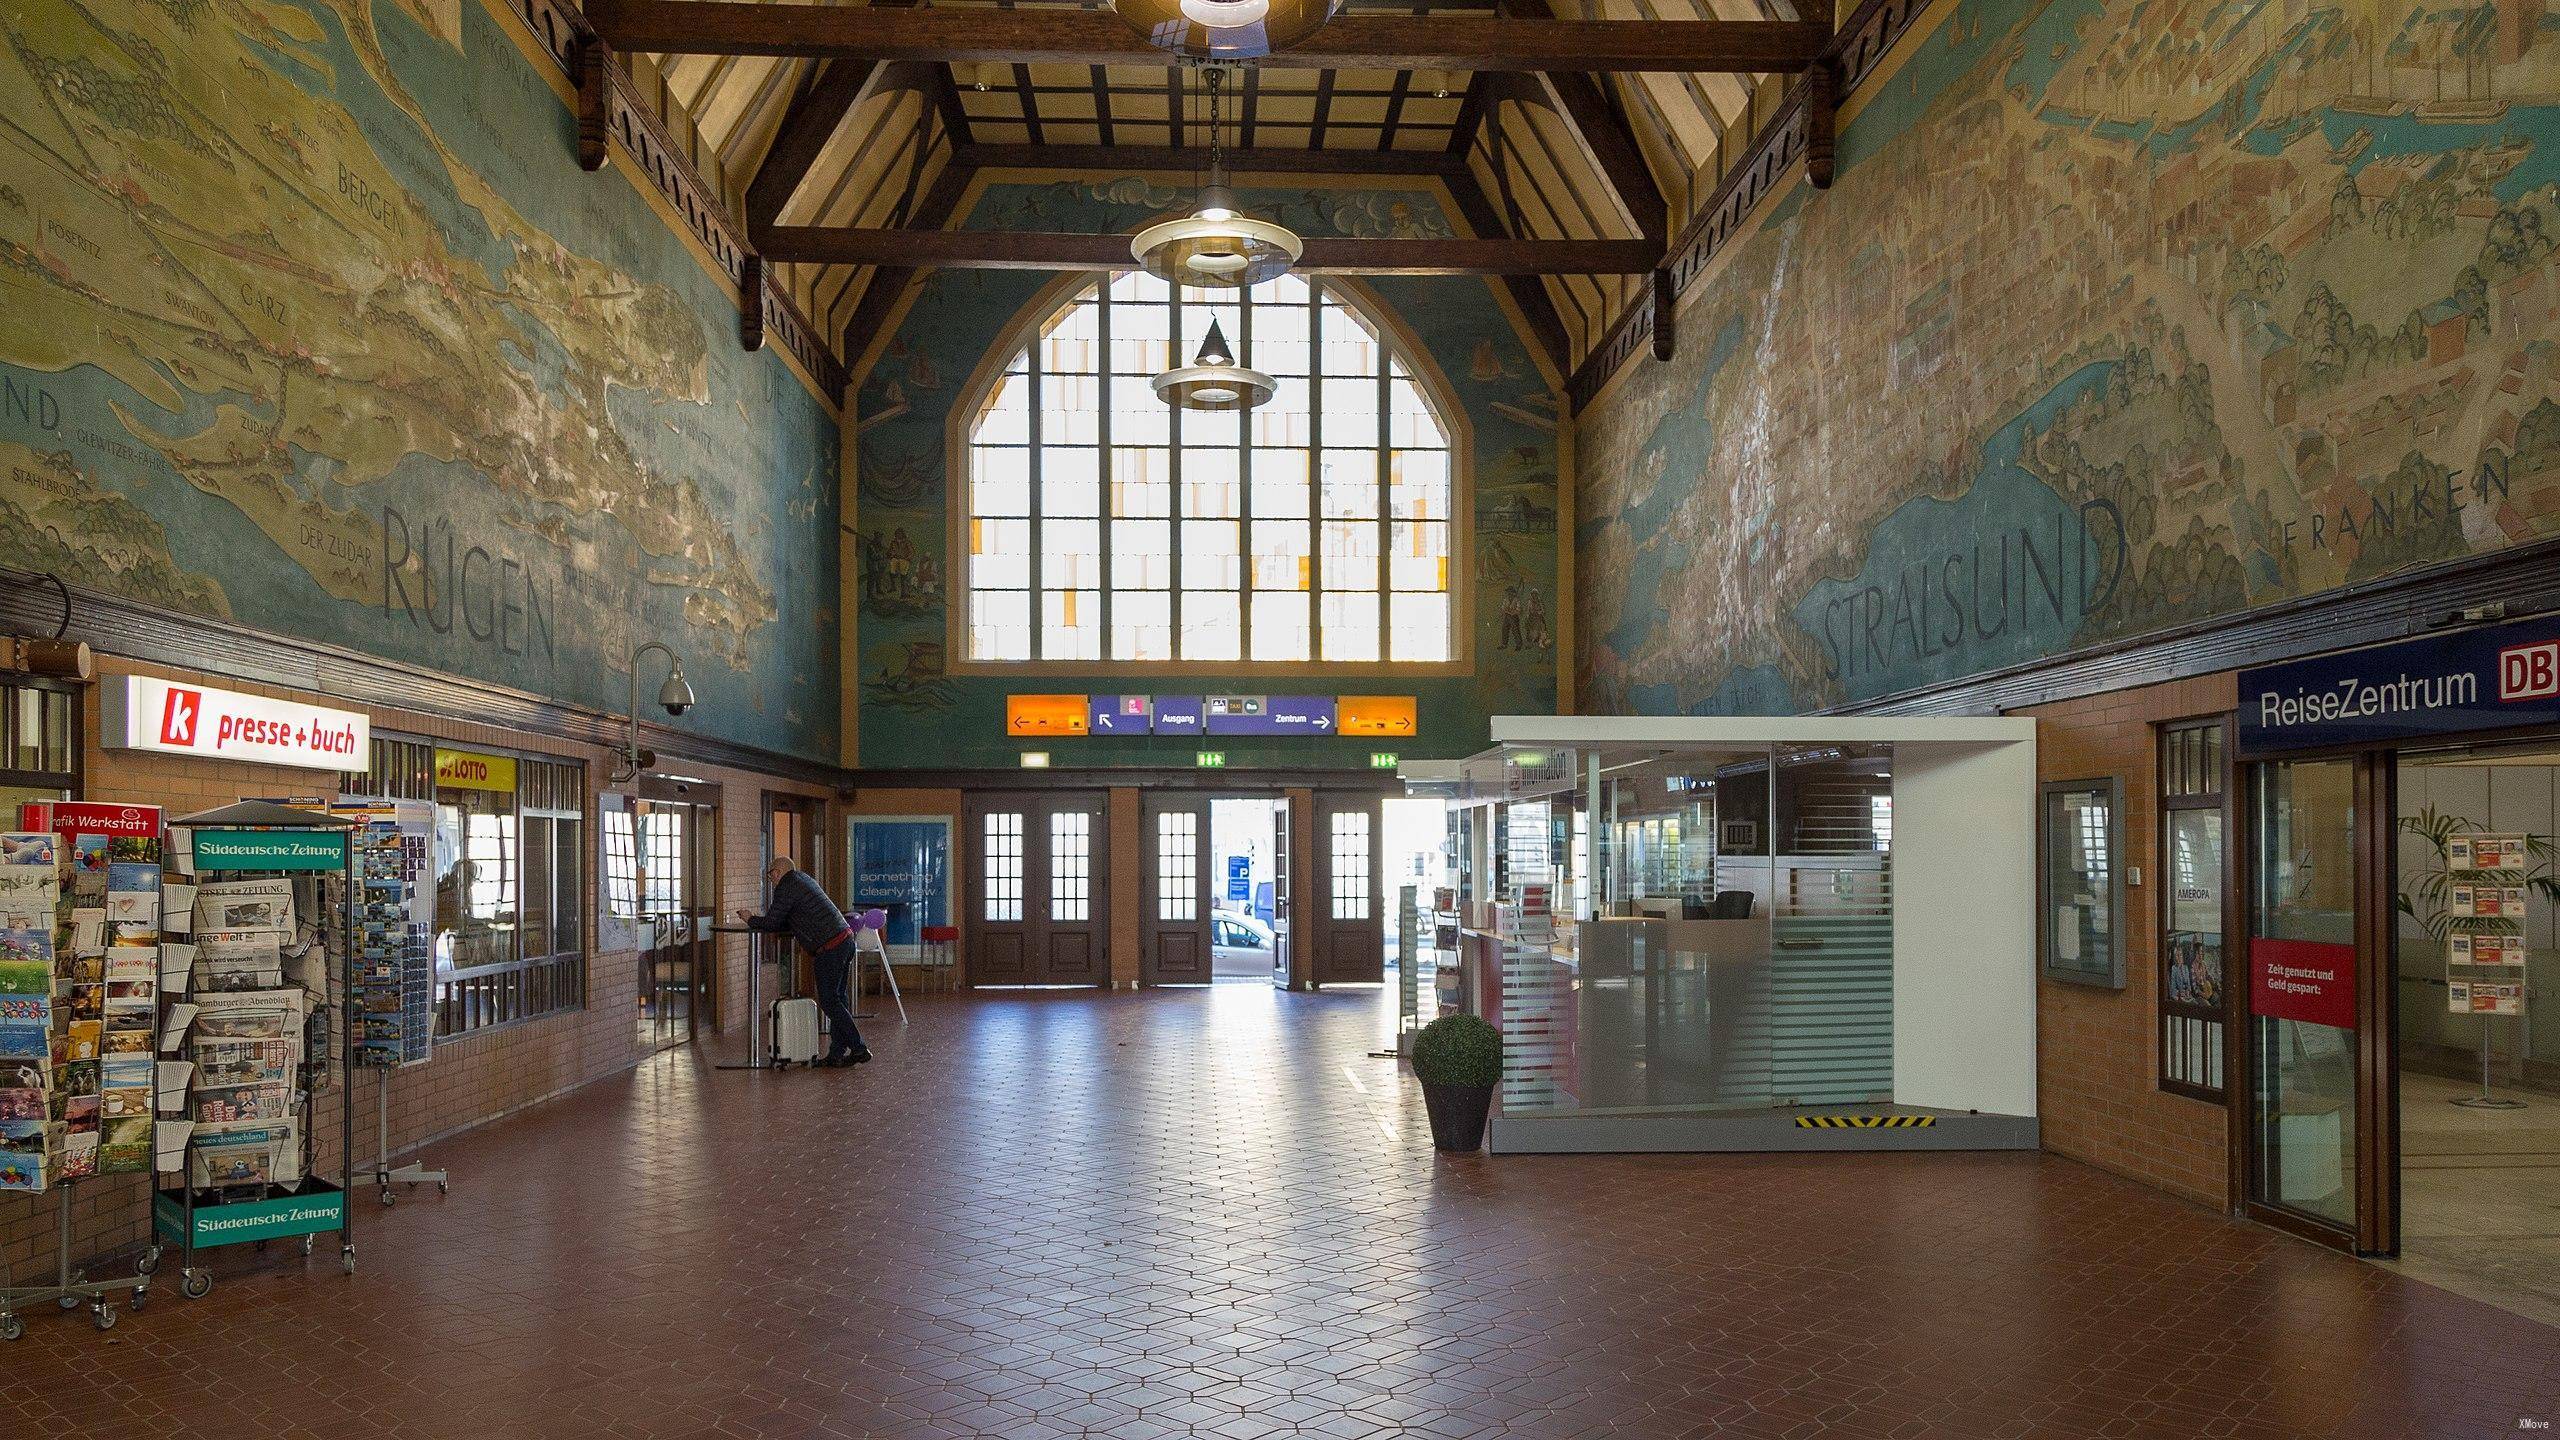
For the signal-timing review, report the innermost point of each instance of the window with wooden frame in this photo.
(2194, 871)
(1103, 525)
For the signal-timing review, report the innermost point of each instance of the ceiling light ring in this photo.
(1215, 254)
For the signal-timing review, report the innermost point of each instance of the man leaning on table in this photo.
(800, 907)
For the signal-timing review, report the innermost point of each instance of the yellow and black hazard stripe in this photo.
(1865, 1122)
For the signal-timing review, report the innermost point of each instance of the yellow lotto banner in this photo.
(471, 770)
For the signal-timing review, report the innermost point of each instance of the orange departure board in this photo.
(1375, 715)
(1040, 715)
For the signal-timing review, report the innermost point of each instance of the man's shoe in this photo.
(858, 1057)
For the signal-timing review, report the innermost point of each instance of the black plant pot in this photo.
(1457, 1115)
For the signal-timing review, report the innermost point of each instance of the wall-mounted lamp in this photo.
(675, 697)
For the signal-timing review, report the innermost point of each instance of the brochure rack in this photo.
(80, 957)
(2485, 948)
(386, 953)
(216, 1198)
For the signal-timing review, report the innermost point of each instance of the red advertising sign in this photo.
(2307, 980)
(67, 817)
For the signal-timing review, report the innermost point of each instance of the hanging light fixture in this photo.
(1225, 29)
(1213, 380)
(1215, 246)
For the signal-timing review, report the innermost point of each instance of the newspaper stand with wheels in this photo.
(258, 840)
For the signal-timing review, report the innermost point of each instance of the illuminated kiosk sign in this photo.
(143, 713)
(2500, 678)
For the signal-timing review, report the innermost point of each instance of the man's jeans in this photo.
(835, 997)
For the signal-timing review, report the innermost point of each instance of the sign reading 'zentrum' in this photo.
(141, 712)
(2497, 678)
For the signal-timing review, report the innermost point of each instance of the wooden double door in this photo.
(1038, 887)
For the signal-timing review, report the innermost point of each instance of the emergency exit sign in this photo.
(1382, 759)
(1210, 759)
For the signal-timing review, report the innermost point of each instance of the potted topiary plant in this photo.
(1458, 1059)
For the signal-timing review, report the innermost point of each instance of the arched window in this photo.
(1104, 525)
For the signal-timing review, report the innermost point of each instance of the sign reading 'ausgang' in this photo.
(2499, 678)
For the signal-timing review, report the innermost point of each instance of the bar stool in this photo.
(940, 956)
(868, 929)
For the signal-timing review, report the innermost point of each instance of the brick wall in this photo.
(472, 1079)
(2097, 1065)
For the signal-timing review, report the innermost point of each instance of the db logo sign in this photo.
(178, 717)
(2529, 672)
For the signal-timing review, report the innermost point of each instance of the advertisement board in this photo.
(902, 864)
(2313, 981)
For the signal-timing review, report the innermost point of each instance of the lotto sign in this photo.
(471, 770)
(144, 713)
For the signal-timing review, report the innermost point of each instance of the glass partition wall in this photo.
(1681, 930)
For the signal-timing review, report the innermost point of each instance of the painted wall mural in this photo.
(917, 709)
(2122, 314)
(309, 320)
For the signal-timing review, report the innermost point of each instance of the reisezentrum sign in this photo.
(2500, 678)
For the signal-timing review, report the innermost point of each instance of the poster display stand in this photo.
(260, 1023)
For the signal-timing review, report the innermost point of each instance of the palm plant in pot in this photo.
(1458, 1059)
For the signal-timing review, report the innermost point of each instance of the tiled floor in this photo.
(1210, 1213)
(2480, 1194)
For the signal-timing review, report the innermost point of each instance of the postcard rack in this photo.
(71, 1288)
(245, 1168)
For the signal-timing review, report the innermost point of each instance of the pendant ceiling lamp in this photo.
(1214, 246)
(1225, 29)
(1213, 380)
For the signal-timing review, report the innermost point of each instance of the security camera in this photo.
(676, 696)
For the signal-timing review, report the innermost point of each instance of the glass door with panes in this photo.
(2314, 1109)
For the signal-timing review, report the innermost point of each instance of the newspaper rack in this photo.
(257, 1209)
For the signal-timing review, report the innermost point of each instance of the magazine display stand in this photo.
(80, 960)
(252, 1050)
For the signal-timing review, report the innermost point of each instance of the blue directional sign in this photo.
(1116, 714)
(1270, 715)
(1178, 715)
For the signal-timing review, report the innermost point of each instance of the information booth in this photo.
(1751, 933)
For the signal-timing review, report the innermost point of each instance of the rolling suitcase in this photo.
(798, 1032)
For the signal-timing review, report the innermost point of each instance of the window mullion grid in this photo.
(1386, 505)
(1177, 504)
(1244, 513)
(1107, 476)
(1038, 498)
(1315, 476)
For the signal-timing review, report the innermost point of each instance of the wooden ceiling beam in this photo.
(1535, 302)
(1582, 102)
(821, 104)
(1256, 161)
(1034, 250)
(1099, 37)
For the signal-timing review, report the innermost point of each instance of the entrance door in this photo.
(2318, 1127)
(678, 902)
(1350, 941)
(1037, 883)
(1176, 937)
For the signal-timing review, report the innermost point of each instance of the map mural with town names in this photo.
(2122, 314)
(277, 346)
